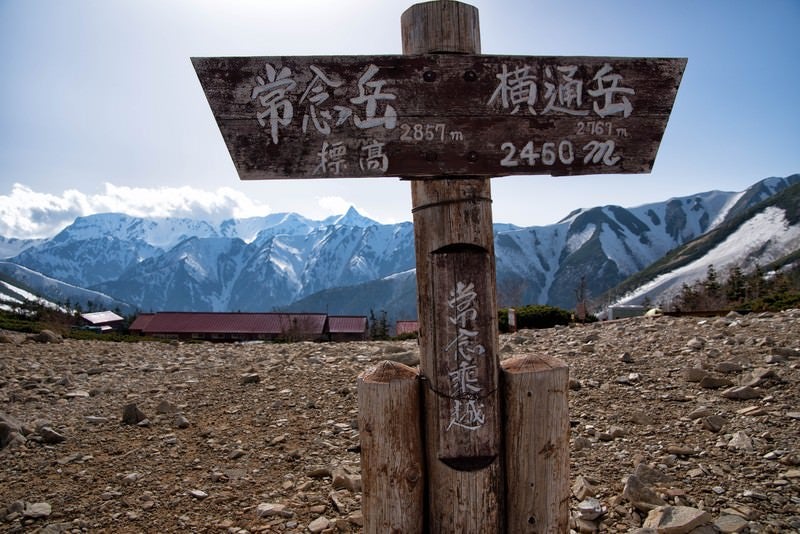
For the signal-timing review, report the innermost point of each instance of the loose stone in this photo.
(676, 519)
(37, 510)
(729, 523)
(198, 494)
(640, 495)
(741, 393)
(273, 509)
(132, 415)
(319, 524)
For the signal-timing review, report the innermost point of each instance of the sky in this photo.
(101, 110)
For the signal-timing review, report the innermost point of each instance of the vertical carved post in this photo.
(457, 313)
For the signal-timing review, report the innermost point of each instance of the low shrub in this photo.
(535, 316)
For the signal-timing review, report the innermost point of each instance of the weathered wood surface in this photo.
(458, 353)
(392, 449)
(457, 312)
(463, 370)
(432, 114)
(536, 408)
(441, 27)
(458, 319)
(465, 501)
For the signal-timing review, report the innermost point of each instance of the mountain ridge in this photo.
(282, 259)
(769, 229)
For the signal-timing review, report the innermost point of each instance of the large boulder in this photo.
(46, 336)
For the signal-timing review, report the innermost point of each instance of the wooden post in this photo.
(392, 463)
(448, 118)
(457, 312)
(536, 404)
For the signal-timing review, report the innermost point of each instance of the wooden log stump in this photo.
(441, 27)
(536, 408)
(392, 449)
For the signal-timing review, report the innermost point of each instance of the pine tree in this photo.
(378, 326)
(735, 286)
(711, 283)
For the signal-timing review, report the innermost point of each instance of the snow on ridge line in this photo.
(725, 210)
(768, 229)
(400, 274)
(30, 297)
(55, 281)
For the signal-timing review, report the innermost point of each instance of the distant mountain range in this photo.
(350, 264)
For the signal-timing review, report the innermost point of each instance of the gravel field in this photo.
(700, 414)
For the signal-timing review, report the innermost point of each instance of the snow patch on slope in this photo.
(616, 250)
(578, 239)
(726, 209)
(767, 235)
(25, 296)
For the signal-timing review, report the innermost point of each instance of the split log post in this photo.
(392, 463)
(536, 405)
(457, 310)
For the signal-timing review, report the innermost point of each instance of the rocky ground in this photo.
(700, 414)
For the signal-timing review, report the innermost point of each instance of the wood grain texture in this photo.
(458, 115)
(392, 460)
(536, 408)
(453, 243)
(456, 294)
(441, 27)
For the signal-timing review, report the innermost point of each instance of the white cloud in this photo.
(25, 213)
(185, 201)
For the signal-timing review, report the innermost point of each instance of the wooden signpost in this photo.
(489, 453)
(428, 115)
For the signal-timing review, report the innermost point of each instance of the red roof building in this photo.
(347, 328)
(140, 323)
(215, 326)
(406, 327)
(219, 326)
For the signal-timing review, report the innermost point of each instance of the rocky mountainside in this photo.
(599, 247)
(765, 235)
(689, 425)
(12, 246)
(272, 262)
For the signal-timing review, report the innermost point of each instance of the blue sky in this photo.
(100, 109)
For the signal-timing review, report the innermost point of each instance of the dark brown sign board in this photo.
(431, 115)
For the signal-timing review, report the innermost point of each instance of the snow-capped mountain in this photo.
(605, 245)
(249, 264)
(271, 262)
(12, 246)
(765, 234)
(20, 286)
(602, 246)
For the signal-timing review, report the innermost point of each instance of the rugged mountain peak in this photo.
(353, 218)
